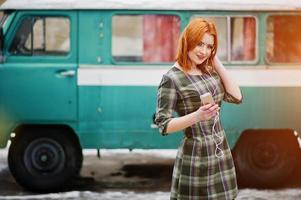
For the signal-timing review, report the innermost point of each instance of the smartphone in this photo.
(207, 99)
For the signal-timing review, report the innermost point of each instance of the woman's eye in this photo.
(203, 44)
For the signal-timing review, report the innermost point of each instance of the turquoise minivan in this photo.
(84, 75)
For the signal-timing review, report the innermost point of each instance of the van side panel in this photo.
(120, 117)
(33, 88)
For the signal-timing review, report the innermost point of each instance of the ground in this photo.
(121, 175)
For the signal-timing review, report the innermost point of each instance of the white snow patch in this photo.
(94, 196)
(253, 194)
(65, 195)
(3, 152)
(2, 167)
(246, 194)
(164, 153)
(3, 157)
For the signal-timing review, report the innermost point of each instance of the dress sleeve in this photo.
(231, 99)
(166, 101)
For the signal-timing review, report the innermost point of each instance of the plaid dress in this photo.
(198, 173)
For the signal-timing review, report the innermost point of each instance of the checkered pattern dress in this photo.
(198, 173)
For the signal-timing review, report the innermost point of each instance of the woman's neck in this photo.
(192, 71)
(195, 71)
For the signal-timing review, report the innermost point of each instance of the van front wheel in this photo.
(44, 160)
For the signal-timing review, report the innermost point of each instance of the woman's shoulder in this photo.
(171, 77)
(174, 72)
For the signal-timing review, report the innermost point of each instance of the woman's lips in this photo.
(200, 57)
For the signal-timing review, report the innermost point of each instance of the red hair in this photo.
(190, 38)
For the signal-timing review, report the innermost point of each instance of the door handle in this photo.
(66, 73)
(153, 125)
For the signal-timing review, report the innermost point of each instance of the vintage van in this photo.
(80, 74)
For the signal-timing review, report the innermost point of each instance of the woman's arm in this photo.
(230, 86)
(166, 104)
(205, 112)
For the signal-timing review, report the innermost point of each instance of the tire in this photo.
(265, 159)
(44, 160)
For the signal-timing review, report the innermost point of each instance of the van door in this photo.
(38, 78)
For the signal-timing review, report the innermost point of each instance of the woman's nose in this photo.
(205, 50)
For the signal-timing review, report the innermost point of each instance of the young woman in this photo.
(204, 166)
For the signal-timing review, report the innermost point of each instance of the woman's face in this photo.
(202, 51)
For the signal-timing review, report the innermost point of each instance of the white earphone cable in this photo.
(218, 139)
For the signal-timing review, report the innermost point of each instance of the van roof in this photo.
(250, 5)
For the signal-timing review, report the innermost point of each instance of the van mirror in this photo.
(1, 45)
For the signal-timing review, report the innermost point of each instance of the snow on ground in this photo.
(94, 196)
(109, 194)
(2, 167)
(3, 157)
(246, 194)
(164, 153)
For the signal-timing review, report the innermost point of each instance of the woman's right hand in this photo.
(206, 112)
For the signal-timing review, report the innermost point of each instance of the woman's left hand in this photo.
(217, 64)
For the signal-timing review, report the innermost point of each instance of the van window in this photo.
(42, 36)
(236, 37)
(221, 26)
(283, 39)
(243, 38)
(145, 38)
